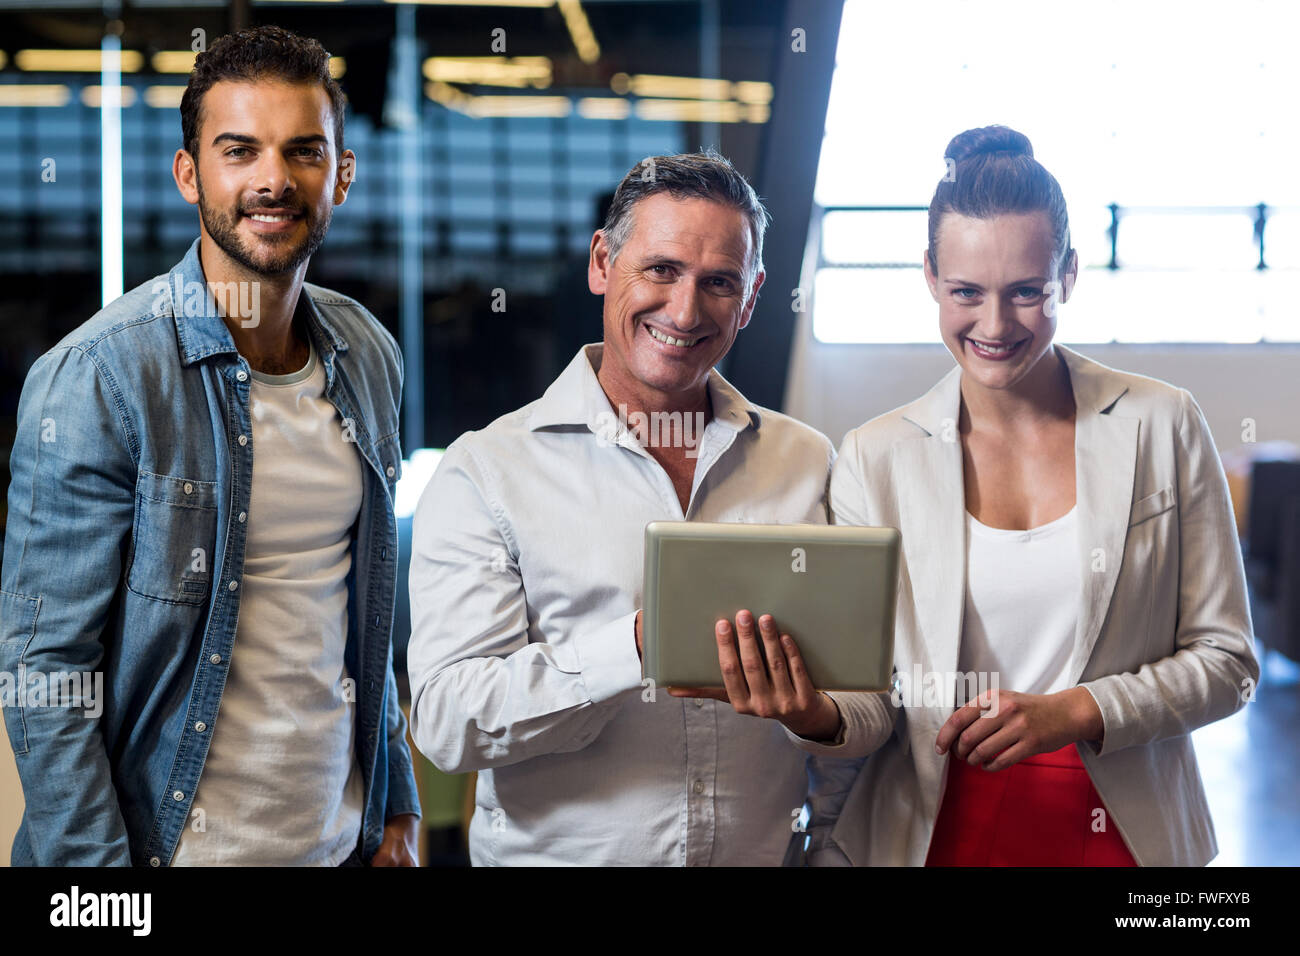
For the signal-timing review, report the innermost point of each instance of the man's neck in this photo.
(257, 309)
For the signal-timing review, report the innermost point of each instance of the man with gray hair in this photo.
(527, 554)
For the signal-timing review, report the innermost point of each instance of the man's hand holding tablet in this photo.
(767, 679)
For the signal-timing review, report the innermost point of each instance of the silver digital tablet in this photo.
(831, 588)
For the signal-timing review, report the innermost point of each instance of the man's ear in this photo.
(186, 173)
(931, 279)
(347, 172)
(753, 299)
(598, 264)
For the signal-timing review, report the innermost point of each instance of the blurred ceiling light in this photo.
(478, 3)
(3, 59)
(173, 61)
(689, 111)
(547, 106)
(584, 41)
(182, 61)
(44, 94)
(72, 61)
(164, 97)
(519, 71)
(604, 107)
(691, 88)
(752, 91)
(447, 95)
(93, 96)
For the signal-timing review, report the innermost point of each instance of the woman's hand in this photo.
(768, 679)
(1000, 728)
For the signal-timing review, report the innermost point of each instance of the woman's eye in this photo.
(961, 293)
(1028, 292)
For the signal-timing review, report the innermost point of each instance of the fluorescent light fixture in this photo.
(164, 97)
(448, 96)
(689, 111)
(93, 96)
(584, 41)
(110, 171)
(604, 107)
(173, 61)
(74, 61)
(476, 3)
(34, 94)
(678, 87)
(518, 72)
(544, 106)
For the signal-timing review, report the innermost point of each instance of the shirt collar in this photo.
(200, 330)
(576, 398)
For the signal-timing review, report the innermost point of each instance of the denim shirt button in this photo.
(376, 620)
(242, 375)
(215, 658)
(243, 516)
(178, 796)
(200, 726)
(154, 861)
(243, 439)
(390, 471)
(189, 489)
(234, 585)
(383, 553)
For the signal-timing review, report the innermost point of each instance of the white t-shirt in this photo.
(282, 784)
(1022, 604)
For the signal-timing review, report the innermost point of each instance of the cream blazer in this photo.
(1163, 640)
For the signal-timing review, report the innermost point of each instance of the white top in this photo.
(526, 573)
(282, 784)
(1022, 604)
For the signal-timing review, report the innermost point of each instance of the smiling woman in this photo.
(1068, 540)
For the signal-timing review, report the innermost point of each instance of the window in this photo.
(1169, 126)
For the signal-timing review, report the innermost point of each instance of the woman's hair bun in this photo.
(988, 139)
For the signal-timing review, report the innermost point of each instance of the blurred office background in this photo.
(489, 136)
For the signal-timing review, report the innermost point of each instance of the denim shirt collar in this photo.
(201, 331)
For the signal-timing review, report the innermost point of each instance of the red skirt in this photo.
(1042, 811)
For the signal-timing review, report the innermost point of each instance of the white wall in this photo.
(835, 388)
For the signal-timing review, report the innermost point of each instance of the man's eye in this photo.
(660, 269)
(309, 151)
(236, 152)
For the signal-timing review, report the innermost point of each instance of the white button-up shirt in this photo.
(526, 575)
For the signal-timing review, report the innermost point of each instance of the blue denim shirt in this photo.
(124, 551)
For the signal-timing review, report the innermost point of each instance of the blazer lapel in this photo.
(1105, 455)
(927, 472)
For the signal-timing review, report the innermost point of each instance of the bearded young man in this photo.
(201, 512)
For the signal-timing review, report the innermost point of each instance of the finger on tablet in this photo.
(751, 655)
(778, 672)
(733, 675)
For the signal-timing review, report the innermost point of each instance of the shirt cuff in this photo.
(608, 659)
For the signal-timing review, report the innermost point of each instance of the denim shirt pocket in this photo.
(18, 614)
(173, 538)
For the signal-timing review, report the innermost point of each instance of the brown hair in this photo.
(992, 171)
(264, 52)
(703, 175)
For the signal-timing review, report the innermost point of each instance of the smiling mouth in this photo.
(681, 343)
(272, 216)
(997, 349)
